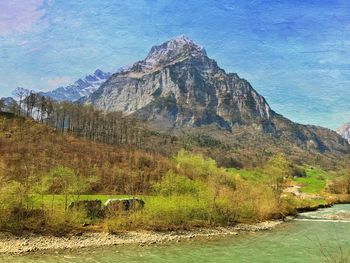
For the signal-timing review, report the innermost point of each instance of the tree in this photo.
(65, 181)
(340, 184)
(174, 184)
(11, 195)
(14, 107)
(278, 169)
(31, 102)
(2, 104)
(83, 120)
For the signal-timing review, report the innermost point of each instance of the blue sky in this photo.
(294, 52)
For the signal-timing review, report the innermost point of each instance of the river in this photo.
(306, 239)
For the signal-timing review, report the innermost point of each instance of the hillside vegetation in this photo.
(244, 146)
(42, 171)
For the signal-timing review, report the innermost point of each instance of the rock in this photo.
(92, 208)
(113, 206)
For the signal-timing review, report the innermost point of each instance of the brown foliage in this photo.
(34, 149)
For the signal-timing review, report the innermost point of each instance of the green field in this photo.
(249, 175)
(314, 182)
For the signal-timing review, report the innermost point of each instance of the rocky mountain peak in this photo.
(101, 75)
(177, 86)
(171, 51)
(178, 79)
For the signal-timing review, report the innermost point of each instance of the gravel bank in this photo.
(10, 244)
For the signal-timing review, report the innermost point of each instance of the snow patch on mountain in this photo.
(170, 51)
(83, 87)
(80, 88)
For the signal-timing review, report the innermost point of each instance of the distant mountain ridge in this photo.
(80, 88)
(83, 87)
(177, 86)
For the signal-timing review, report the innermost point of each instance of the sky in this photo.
(296, 53)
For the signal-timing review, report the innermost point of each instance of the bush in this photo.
(174, 184)
(298, 171)
(164, 213)
(339, 185)
(195, 165)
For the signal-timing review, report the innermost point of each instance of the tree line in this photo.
(77, 119)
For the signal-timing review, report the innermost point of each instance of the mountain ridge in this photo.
(177, 86)
(73, 92)
(186, 52)
(80, 88)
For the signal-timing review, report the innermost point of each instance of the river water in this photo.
(310, 238)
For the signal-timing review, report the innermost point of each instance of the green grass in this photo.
(160, 212)
(314, 182)
(249, 175)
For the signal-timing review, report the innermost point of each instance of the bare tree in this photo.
(2, 104)
(21, 94)
(85, 121)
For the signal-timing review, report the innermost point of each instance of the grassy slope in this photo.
(314, 184)
(315, 180)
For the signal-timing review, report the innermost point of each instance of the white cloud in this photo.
(18, 16)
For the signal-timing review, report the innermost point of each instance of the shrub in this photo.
(298, 171)
(339, 185)
(164, 213)
(174, 184)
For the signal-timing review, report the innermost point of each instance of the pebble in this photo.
(11, 244)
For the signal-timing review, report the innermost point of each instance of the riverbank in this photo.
(294, 242)
(29, 242)
(11, 244)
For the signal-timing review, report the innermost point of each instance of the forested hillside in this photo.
(43, 170)
(30, 149)
(243, 147)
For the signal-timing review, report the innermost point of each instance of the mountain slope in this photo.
(177, 86)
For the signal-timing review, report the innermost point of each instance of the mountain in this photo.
(83, 87)
(344, 131)
(80, 88)
(179, 73)
(178, 87)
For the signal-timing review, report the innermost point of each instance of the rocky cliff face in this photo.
(178, 81)
(344, 131)
(178, 86)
